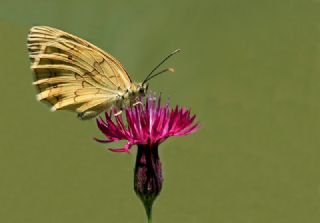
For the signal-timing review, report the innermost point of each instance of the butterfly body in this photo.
(122, 100)
(73, 74)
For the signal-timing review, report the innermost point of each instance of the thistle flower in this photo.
(148, 125)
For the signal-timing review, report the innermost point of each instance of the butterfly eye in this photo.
(141, 90)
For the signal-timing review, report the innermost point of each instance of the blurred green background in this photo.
(250, 71)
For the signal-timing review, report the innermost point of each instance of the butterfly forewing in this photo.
(71, 73)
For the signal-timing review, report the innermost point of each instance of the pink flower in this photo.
(148, 125)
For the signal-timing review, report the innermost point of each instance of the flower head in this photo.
(148, 123)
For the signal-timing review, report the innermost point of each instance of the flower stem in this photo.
(149, 213)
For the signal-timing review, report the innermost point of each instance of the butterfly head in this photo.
(142, 89)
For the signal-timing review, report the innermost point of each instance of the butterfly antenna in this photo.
(154, 69)
(160, 72)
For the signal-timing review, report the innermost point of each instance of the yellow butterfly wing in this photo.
(73, 74)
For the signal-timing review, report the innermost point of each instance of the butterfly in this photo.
(73, 74)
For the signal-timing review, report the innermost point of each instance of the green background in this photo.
(250, 71)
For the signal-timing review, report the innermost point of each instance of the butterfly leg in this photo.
(118, 113)
(120, 104)
(137, 103)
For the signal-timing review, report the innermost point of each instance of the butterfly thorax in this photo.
(131, 95)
